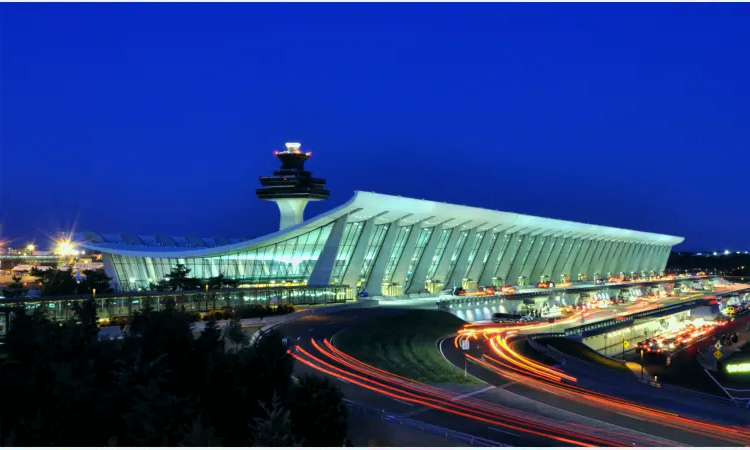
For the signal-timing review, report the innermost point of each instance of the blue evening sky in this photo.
(159, 118)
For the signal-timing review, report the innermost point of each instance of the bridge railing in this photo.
(468, 439)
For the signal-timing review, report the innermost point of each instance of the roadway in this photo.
(515, 408)
(480, 414)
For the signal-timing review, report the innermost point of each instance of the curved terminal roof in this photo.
(363, 206)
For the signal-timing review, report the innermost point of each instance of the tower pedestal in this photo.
(291, 211)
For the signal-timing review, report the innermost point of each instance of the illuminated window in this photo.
(398, 248)
(473, 252)
(442, 244)
(454, 258)
(373, 248)
(422, 240)
(349, 239)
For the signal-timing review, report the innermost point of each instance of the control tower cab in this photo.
(291, 187)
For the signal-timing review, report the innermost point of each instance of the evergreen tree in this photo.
(318, 412)
(15, 289)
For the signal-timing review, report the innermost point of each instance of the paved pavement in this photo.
(542, 408)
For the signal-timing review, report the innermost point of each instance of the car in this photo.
(508, 289)
(505, 318)
(459, 291)
(488, 290)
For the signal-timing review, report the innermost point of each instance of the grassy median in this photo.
(405, 345)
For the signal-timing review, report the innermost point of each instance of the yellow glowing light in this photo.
(30, 247)
(293, 146)
(65, 248)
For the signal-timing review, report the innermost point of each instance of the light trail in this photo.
(455, 408)
(516, 367)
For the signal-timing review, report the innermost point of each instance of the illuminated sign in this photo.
(739, 368)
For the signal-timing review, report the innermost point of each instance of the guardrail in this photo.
(453, 435)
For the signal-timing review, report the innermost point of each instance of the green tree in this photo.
(318, 412)
(15, 289)
(95, 279)
(275, 429)
(178, 280)
(55, 281)
(160, 386)
(221, 282)
(236, 335)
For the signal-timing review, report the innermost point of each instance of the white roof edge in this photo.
(377, 203)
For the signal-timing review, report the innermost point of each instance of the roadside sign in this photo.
(626, 344)
(465, 345)
(718, 354)
(718, 345)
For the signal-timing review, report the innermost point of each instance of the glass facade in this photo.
(441, 246)
(454, 258)
(286, 261)
(422, 240)
(398, 248)
(352, 232)
(373, 248)
(473, 253)
(112, 305)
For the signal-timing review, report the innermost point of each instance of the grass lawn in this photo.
(583, 352)
(405, 344)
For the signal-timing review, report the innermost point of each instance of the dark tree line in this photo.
(160, 386)
(179, 279)
(733, 264)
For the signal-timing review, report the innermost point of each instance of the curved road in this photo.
(513, 408)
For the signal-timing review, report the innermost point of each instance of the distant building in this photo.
(384, 245)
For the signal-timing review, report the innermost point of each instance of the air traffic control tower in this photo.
(291, 187)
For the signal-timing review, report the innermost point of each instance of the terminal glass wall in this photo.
(125, 305)
(291, 260)
(349, 239)
(373, 249)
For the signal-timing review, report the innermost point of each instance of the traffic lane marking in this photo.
(503, 431)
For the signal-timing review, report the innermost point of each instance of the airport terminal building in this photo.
(384, 245)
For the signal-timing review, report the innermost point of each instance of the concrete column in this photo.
(485, 279)
(569, 254)
(594, 252)
(374, 284)
(604, 258)
(399, 272)
(616, 267)
(626, 263)
(478, 264)
(538, 270)
(559, 256)
(516, 265)
(351, 275)
(611, 265)
(533, 257)
(662, 264)
(416, 282)
(109, 269)
(508, 256)
(457, 276)
(630, 263)
(655, 261)
(587, 246)
(441, 273)
(554, 257)
(646, 261)
(291, 211)
(645, 248)
(321, 273)
(647, 258)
